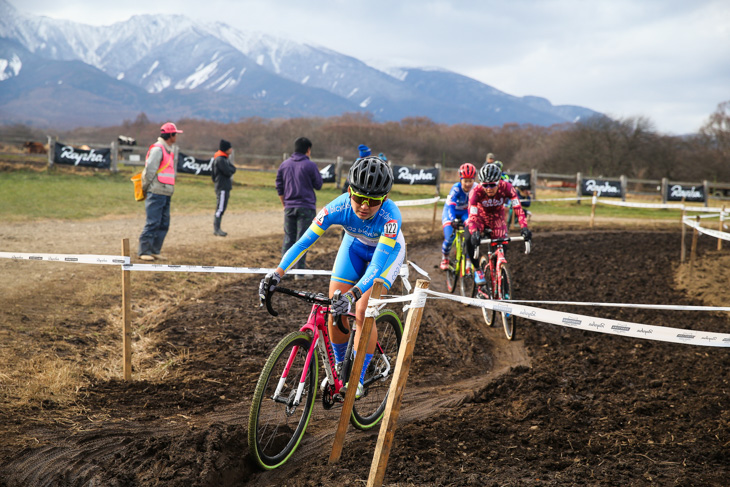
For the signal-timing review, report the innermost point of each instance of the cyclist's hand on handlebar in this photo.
(476, 238)
(526, 233)
(268, 284)
(343, 304)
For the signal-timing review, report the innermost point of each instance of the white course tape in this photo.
(601, 325)
(210, 268)
(712, 233)
(627, 305)
(68, 258)
(419, 270)
(659, 206)
(422, 202)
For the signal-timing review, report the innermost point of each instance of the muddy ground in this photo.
(555, 407)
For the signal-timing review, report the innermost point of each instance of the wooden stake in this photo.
(593, 208)
(126, 315)
(354, 378)
(395, 394)
(433, 222)
(684, 232)
(692, 253)
(722, 221)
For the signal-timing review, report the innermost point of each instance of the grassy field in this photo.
(32, 194)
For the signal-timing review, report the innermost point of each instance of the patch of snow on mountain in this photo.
(306, 78)
(260, 94)
(222, 79)
(199, 77)
(324, 67)
(162, 83)
(365, 102)
(353, 92)
(13, 65)
(152, 68)
(260, 59)
(120, 76)
(226, 84)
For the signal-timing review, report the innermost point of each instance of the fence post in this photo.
(624, 187)
(338, 172)
(722, 221)
(438, 178)
(665, 190)
(397, 387)
(594, 200)
(115, 156)
(126, 316)
(435, 207)
(578, 186)
(51, 151)
(284, 157)
(533, 183)
(693, 251)
(367, 327)
(706, 187)
(683, 251)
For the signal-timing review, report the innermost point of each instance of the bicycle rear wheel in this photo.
(368, 410)
(452, 273)
(275, 424)
(508, 319)
(486, 291)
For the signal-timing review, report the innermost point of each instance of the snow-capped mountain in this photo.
(178, 67)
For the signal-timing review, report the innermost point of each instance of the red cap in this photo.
(170, 128)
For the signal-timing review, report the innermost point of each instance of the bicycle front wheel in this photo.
(486, 290)
(468, 286)
(452, 273)
(277, 422)
(505, 292)
(369, 409)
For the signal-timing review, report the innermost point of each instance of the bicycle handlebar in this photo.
(504, 240)
(310, 297)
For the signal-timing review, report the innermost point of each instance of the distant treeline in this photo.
(598, 146)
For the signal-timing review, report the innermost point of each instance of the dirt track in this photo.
(557, 407)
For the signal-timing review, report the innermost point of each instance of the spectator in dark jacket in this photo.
(223, 171)
(296, 180)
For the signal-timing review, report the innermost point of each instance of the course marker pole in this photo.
(593, 208)
(719, 228)
(397, 387)
(683, 252)
(367, 327)
(126, 315)
(693, 251)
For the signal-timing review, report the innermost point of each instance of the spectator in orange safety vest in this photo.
(158, 182)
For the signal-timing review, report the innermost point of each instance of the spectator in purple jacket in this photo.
(296, 180)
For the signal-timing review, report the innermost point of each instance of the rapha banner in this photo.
(677, 192)
(192, 165)
(604, 188)
(409, 175)
(521, 181)
(328, 173)
(66, 154)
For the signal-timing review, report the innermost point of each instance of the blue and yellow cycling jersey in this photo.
(372, 248)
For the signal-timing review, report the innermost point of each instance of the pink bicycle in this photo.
(498, 284)
(287, 387)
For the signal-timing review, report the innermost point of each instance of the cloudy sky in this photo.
(667, 60)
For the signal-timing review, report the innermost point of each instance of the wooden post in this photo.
(435, 208)
(693, 252)
(578, 186)
(722, 221)
(126, 316)
(51, 151)
(533, 183)
(593, 207)
(395, 393)
(354, 378)
(684, 232)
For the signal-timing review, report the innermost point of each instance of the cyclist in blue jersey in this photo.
(456, 206)
(372, 247)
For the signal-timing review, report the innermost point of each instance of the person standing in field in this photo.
(223, 170)
(158, 182)
(296, 180)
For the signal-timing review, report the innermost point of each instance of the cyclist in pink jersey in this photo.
(486, 212)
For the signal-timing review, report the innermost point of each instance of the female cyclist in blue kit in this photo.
(372, 247)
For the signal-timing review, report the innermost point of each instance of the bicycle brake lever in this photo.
(528, 246)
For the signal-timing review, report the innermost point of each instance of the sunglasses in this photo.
(369, 200)
(490, 185)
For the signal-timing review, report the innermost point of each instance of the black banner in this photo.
(408, 175)
(328, 173)
(192, 165)
(520, 180)
(677, 192)
(604, 188)
(66, 154)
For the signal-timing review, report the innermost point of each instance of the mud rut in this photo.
(556, 407)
